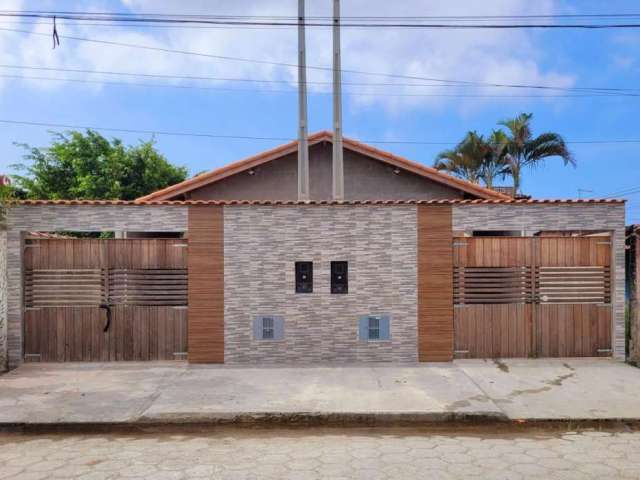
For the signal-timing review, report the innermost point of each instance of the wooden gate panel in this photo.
(491, 331)
(536, 296)
(492, 251)
(573, 330)
(143, 280)
(65, 334)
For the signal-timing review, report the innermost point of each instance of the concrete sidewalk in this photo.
(466, 390)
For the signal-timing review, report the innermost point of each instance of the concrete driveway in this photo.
(169, 392)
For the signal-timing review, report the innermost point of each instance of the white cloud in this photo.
(474, 55)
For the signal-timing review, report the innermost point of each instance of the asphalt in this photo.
(179, 393)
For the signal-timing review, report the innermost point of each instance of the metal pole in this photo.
(338, 169)
(303, 147)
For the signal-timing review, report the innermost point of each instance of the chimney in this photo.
(303, 147)
(337, 170)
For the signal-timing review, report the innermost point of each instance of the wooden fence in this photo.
(101, 300)
(540, 296)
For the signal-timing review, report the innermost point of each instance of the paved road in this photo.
(331, 454)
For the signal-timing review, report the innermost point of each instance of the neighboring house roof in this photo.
(323, 136)
(511, 201)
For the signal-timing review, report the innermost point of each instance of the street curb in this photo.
(440, 422)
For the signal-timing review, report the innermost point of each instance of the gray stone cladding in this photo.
(51, 218)
(261, 245)
(532, 218)
(3, 299)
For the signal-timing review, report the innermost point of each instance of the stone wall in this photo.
(3, 299)
(534, 217)
(91, 218)
(263, 242)
(261, 245)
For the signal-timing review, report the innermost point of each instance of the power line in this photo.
(291, 65)
(250, 137)
(252, 80)
(320, 17)
(293, 22)
(148, 132)
(293, 91)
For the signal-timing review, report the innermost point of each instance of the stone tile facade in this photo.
(48, 218)
(261, 245)
(3, 299)
(263, 242)
(532, 218)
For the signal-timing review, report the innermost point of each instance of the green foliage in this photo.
(476, 158)
(525, 150)
(502, 154)
(88, 166)
(7, 194)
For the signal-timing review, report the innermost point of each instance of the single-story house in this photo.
(413, 265)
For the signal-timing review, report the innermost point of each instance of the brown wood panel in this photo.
(492, 251)
(574, 330)
(567, 313)
(575, 251)
(66, 280)
(206, 284)
(435, 283)
(493, 331)
(76, 334)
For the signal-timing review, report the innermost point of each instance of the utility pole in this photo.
(338, 169)
(303, 147)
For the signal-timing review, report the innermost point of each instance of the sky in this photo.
(371, 113)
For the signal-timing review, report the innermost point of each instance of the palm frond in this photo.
(547, 145)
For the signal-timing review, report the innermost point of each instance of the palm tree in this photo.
(466, 159)
(526, 151)
(496, 161)
(476, 158)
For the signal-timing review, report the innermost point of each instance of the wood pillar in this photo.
(435, 283)
(206, 284)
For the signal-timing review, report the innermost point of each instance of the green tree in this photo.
(88, 166)
(476, 158)
(525, 150)
(466, 159)
(7, 194)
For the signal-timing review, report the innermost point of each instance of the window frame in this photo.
(303, 286)
(339, 287)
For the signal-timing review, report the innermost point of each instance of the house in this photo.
(369, 174)
(427, 268)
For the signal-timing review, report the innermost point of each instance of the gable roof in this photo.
(323, 136)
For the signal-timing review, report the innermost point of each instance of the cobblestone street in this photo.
(331, 454)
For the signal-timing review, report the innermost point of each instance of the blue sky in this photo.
(568, 58)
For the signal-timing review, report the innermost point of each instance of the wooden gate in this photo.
(532, 296)
(105, 300)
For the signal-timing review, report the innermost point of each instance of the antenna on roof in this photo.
(338, 170)
(303, 147)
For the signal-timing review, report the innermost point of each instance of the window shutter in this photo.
(363, 328)
(278, 328)
(257, 328)
(385, 327)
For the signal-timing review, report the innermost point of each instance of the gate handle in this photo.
(107, 307)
